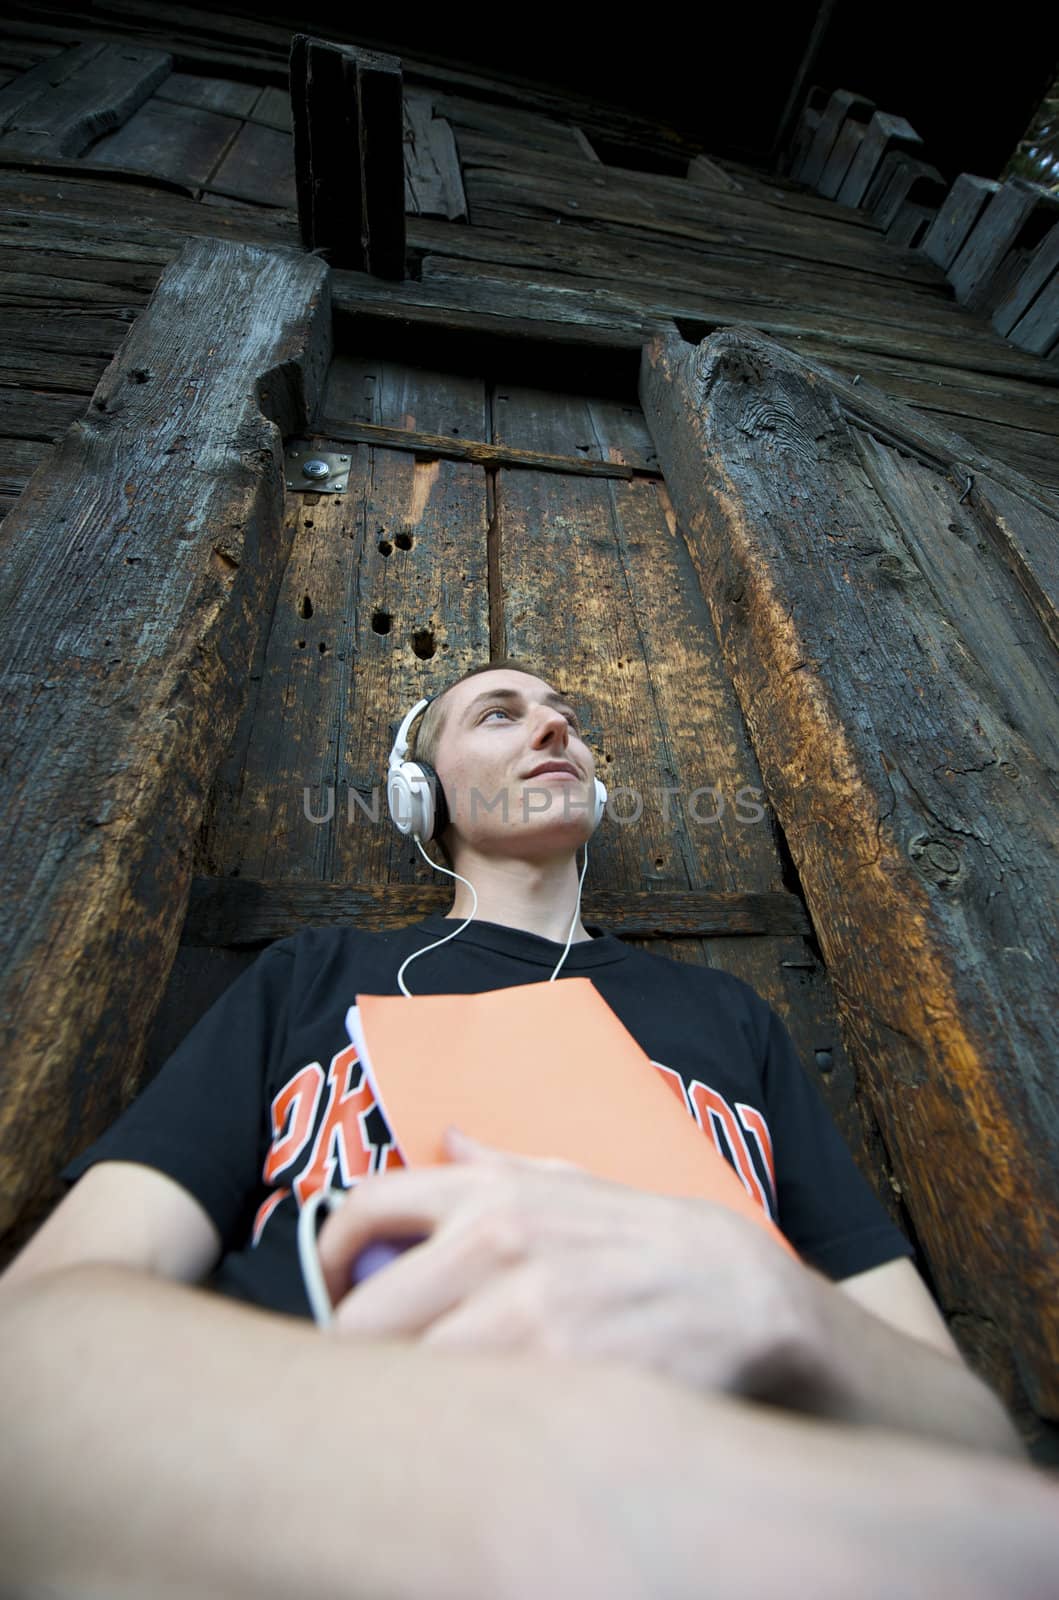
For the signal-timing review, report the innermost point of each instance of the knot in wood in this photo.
(736, 363)
(895, 569)
(936, 860)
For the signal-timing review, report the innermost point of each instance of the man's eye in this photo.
(504, 712)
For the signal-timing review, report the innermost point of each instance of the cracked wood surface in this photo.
(133, 575)
(898, 682)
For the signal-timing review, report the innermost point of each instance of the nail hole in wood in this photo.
(381, 621)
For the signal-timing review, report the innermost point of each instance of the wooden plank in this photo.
(176, 141)
(259, 167)
(849, 141)
(1038, 330)
(349, 154)
(1032, 555)
(384, 598)
(931, 333)
(599, 588)
(1015, 206)
(1039, 269)
(617, 438)
(925, 841)
(103, 199)
(484, 307)
(492, 194)
(19, 460)
(273, 109)
(652, 199)
(957, 216)
(908, 179)
(1024, 403)
(433, 184)
(60, 106)
(536, 244)
(38, 414)
(843, 106)
(133, 574)
(884, 133)
(584, 144)
(437, 446)
(210, 94)
(1033, 455)
(804, 134)
(711, 175)
(235, 913)
(514, 125)
(910, 224)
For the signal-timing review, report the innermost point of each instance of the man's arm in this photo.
(524, 1256)
(880, 1353)
(161, 1441)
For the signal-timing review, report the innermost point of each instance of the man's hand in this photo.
(542, 1257)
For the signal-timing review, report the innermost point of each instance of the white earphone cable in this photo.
(400, 974)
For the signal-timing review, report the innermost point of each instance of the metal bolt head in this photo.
(315, 468)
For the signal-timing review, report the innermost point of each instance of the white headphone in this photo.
(414, 794)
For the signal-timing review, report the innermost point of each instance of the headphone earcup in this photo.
(601, 803)
(410, 799)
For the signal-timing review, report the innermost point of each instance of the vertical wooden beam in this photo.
(974, 274)
(957, 215)
(898, 685)
(348, 120)
(135, 571)
(1039, 272)
(884, 133)
(843, 106)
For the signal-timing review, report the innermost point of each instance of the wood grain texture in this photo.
(433, 184)
(842, 106)
(60, 106)
(240, 913)
(598, 587)
(173, 140)
(896, 683)
(975, 273)
(133, 575)
(883, 134)
(383, 599)
(957, 215)
(1041, 267)
(349, 154)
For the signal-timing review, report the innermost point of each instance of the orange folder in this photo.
(542, 1069)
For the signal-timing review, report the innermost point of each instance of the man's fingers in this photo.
(429, 1280)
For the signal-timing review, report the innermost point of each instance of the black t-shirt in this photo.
(265, 1102)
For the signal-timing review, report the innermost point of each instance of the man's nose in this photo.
(550, 726)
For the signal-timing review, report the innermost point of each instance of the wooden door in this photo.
(553, 540)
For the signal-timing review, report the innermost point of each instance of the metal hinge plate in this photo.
(314, 469)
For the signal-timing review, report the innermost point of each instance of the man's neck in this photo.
(535, 896)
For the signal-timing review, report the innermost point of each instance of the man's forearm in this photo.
(157, 1440)
(864, 1371)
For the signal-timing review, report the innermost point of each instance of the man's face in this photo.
(517, 775)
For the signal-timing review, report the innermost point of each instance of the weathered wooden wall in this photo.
(537, 273)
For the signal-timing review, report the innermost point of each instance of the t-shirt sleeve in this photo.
(826, 1206)
(201, 1118)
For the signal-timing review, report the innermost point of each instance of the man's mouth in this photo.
(553, 769)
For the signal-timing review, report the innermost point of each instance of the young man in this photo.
(538, 1389)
